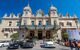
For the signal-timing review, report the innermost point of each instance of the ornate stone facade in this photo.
(39, 25)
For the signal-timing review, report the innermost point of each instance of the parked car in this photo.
(4, 43)
(13, 45)
(27, 44)
(49, 44)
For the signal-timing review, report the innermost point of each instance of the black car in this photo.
(27, 44)
(13, 45)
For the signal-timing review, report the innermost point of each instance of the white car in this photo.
(49, 44)
(4, 43)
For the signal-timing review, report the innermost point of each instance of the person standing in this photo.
(71, 44)
(75, 44)
(78, 45)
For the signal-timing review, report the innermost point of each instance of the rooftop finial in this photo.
(67, 14)
(28, 2)
(74, 16)
(51, 2)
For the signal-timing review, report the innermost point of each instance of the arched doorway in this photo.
(48, 34)
(31, 34)
(39, 34)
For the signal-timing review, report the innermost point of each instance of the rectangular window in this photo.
(18, 23)
(69, 24)
(10, 23)
(32, 23)
(6, 35)
(61, 24)
(7, 29)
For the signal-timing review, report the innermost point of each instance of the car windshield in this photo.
(48, 40)
(2, 41)
(29, 41)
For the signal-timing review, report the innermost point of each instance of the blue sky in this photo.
(63, 6)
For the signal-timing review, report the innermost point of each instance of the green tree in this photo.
(65, 35)
(14, 36)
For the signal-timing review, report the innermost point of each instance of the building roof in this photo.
(27, 7)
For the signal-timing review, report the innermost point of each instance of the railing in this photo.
(69, 27)
(49, 27)
(11, 27)
(41, 27)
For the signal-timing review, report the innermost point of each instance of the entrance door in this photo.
(39, 34)
(31, 34)
(48, 34)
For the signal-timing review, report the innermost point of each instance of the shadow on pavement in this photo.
(42, 46)
(10, 49)
(64, 49)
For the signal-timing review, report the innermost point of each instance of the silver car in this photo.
(49, 44)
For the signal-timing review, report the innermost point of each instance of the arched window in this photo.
(47, 23)
(40, 23)
(18, 23)
(32, 23)
(25, 22)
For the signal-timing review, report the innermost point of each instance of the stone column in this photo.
(44, 33)
(51, 33)
(36, 22)
(36, 33)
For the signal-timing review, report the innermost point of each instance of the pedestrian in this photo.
(78, 45)
(75, 44)
(71, 44)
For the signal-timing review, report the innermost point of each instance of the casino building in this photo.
(51, 25)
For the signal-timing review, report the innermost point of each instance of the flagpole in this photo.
(50, 2)
(28, 2)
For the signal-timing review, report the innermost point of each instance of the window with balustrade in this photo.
(32, 23)
(47, 23)
(40, 23)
